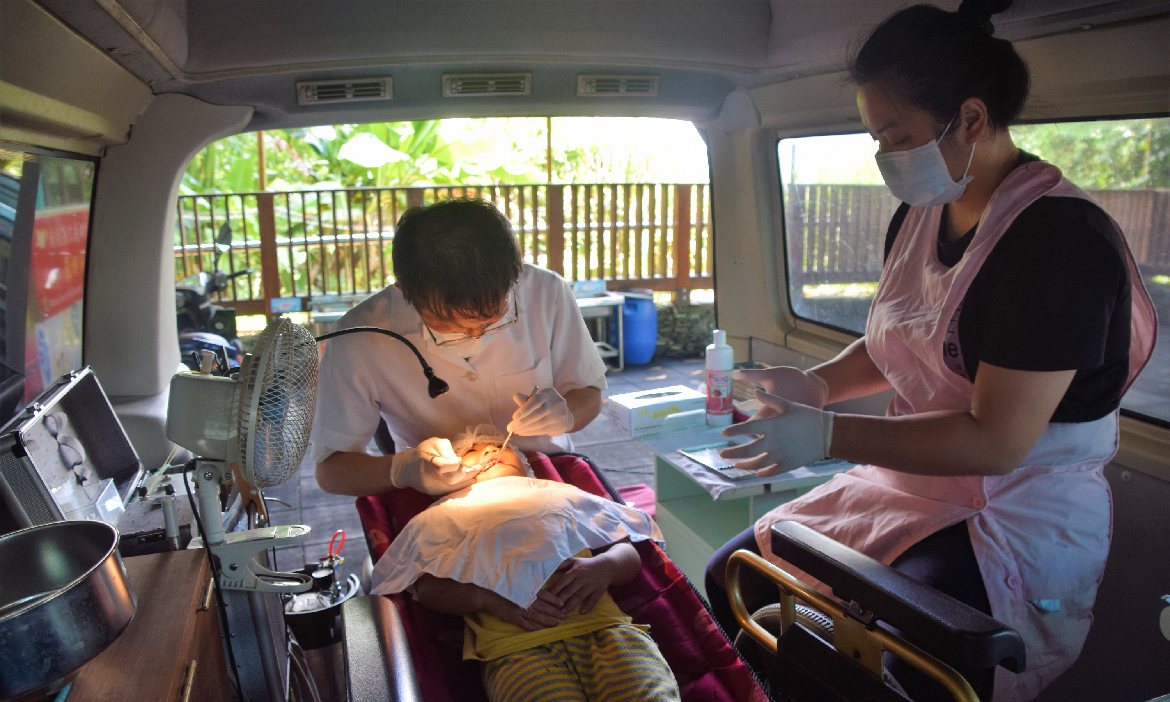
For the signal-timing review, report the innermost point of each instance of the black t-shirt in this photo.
(1054, 294)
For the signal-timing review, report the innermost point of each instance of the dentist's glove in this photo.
(793, 384)
(789, 435)
(543, 413)
(431, 468)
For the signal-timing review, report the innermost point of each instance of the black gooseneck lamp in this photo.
(435, 385)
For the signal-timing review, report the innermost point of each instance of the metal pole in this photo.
(261, 163)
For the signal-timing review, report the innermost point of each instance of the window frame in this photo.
(820, 329)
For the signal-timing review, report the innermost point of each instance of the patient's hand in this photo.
(582, 583)
(453, 597)
(548, 610)
(584, 580)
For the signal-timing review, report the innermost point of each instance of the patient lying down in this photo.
(528, 564)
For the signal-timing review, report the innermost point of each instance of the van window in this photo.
(44, 235)
(624, 200)
(836, 211)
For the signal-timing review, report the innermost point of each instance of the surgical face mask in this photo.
(919, 176)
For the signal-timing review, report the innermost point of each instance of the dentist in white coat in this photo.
(490, 326)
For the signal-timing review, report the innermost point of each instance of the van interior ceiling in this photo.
(741, 71)
(138, 87)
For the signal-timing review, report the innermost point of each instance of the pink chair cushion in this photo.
(705, 664)
(640, 495)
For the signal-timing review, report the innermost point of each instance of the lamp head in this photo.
(435, 385)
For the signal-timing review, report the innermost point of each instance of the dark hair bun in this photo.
(982, 10)
(935, 59)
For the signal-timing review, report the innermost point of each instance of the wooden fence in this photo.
(321, 244)
(309, 245)
(836, 233)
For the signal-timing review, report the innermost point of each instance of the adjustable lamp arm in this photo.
(435, 386)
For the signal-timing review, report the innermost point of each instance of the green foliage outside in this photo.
(453, 152)
(339, 181)
(1131, 154)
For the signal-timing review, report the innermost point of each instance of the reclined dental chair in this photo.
(422, 656)
(823, 649)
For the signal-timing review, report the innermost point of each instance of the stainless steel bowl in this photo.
(64, 598)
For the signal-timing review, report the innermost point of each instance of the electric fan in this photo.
(258, 420)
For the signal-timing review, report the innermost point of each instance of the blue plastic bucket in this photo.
(640, 330)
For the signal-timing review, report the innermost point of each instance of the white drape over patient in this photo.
(507, 535)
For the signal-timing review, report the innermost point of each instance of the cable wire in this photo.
(435, 385)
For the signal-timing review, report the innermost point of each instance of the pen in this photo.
(509, 436)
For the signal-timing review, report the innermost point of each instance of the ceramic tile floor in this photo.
(624, 462)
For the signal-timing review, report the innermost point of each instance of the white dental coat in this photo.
(1041, 533)
(365, 375)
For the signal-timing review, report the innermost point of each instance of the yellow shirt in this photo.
(486, 637)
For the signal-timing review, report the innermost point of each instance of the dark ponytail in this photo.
(936, 59)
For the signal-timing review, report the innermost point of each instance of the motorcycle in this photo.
(202, 324)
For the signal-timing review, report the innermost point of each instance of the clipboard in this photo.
(708, 457)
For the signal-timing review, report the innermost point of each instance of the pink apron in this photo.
(1040, 568)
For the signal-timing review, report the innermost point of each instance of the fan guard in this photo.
(278, 396)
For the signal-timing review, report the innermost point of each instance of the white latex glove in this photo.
(788, 435)
(543, 413)
(792, 384)
(432, 468)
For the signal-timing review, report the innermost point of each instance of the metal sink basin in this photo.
(64, 598)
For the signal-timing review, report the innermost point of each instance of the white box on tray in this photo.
(658, 410)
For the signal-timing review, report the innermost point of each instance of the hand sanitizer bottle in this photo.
(719, 364)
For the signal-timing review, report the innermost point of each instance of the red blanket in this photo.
(704, 662)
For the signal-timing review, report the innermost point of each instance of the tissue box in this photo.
(637, 414)
(588, 288)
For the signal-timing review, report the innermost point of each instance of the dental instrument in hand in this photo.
(525, 405)
(462, 466)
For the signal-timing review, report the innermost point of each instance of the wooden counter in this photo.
(172, 649)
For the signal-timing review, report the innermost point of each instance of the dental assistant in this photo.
(489, 325)
(1008, 321)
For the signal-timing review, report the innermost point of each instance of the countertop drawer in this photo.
(172, 648)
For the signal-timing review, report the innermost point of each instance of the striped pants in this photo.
(615, 664)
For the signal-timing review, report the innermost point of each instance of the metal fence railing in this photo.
(328, 243)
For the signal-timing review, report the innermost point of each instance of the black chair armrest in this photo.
(378, 665)
(949, 629)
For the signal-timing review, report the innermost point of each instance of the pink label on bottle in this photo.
(719, 392)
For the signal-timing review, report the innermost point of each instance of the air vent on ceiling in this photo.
(484, 84)
(316, 92)
(617, 86)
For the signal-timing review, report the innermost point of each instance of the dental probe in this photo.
(509, 436)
